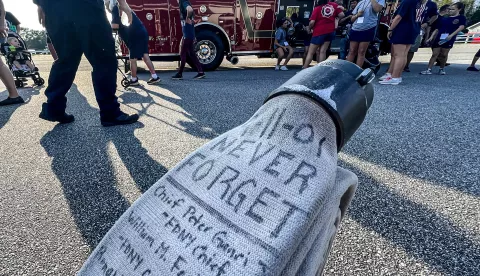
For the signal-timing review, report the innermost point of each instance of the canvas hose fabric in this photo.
(265, 198)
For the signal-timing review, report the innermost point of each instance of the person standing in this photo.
(346, 25)
(12, 22)
(365, 21)
(135, 37)
(322, 22)
(444, 36)
(281, 45)
(188, 29)
(78, 27)
(403, 31)
(5, 74)
(475, 59)
(429, 16)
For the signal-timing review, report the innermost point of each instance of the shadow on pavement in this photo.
(7, 111)
(420, 231)
(83, 165)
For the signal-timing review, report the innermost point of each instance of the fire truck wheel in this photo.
(209, 49)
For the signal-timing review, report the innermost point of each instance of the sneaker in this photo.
(62, 118)
(426, 72)
(386, 76)
(177, 76)
(123, 119)
(284, 68)
(391, 81)
(473, 69)
(406, 69)
(133, 82)
(442, 72)
(154, 80)
(277, 68)
(10, 101)
(199, 76)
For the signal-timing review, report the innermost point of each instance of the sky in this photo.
(26, 12)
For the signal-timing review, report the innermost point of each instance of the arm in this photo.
(433, 36)
(376, 6)
(395, 22)
(356, 16)
(345, 19)
(459, 29)
(311, 24)
(3, 31)
(124, 7)
(341, 15)
(279, 45)
(189, 14)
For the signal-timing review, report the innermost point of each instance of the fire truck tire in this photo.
(209, 50)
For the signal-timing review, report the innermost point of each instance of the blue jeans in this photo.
(76, 28)
(344, 46)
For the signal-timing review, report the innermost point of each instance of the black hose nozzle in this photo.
(339, 86)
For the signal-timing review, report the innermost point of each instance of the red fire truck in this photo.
(224, 28)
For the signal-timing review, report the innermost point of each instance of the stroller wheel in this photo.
(19, 83)
(125, 83)
(39, 82)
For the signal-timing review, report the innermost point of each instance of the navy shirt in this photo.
(448, 25)
(430, 11)
(187, 29)
(128, 33)
(412, 13)
(183, 4)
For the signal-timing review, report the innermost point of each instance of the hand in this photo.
(424, 26)
(188, 20)
(389, 34)
(3, 30)
(41, 16)
(123, 7)
(360, 14)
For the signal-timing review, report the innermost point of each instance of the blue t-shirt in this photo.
(448, 25)
(370, 17)
(130, 33)
(281, 37)
(188, 30)
(412, 13)
(431, 10)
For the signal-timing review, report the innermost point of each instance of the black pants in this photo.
(76, 28)
(188, 50)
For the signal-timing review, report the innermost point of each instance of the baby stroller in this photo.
(19, 60)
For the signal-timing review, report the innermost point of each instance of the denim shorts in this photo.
(320, 39)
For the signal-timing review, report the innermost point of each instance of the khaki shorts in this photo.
(415, 46)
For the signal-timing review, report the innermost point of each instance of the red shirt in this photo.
(324, 16)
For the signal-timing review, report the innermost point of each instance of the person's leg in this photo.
(17, 65)
(343, 48)
(62, 32)
(362, 50)
(435, 54)
(409, 59)
(444, 52)
(289, 56)
(400, 52)
(280, 55)
(475, 59)
(353, 51)
(8, 81)
(98, 45)
(183, 55)
(392, 60)
(311, 51)
(30, 65)
(194, 58)
(149, 63)
(133, 68)
(305, 53)
(318, 53)
(323, 51)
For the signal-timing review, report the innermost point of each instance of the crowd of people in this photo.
(76, 28)
(415, 22)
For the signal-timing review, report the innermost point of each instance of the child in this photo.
(19, 61)
(444, 36)
(322, 22)
(135, 37)
(281, 45)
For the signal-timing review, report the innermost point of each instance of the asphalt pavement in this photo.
(416, 212)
